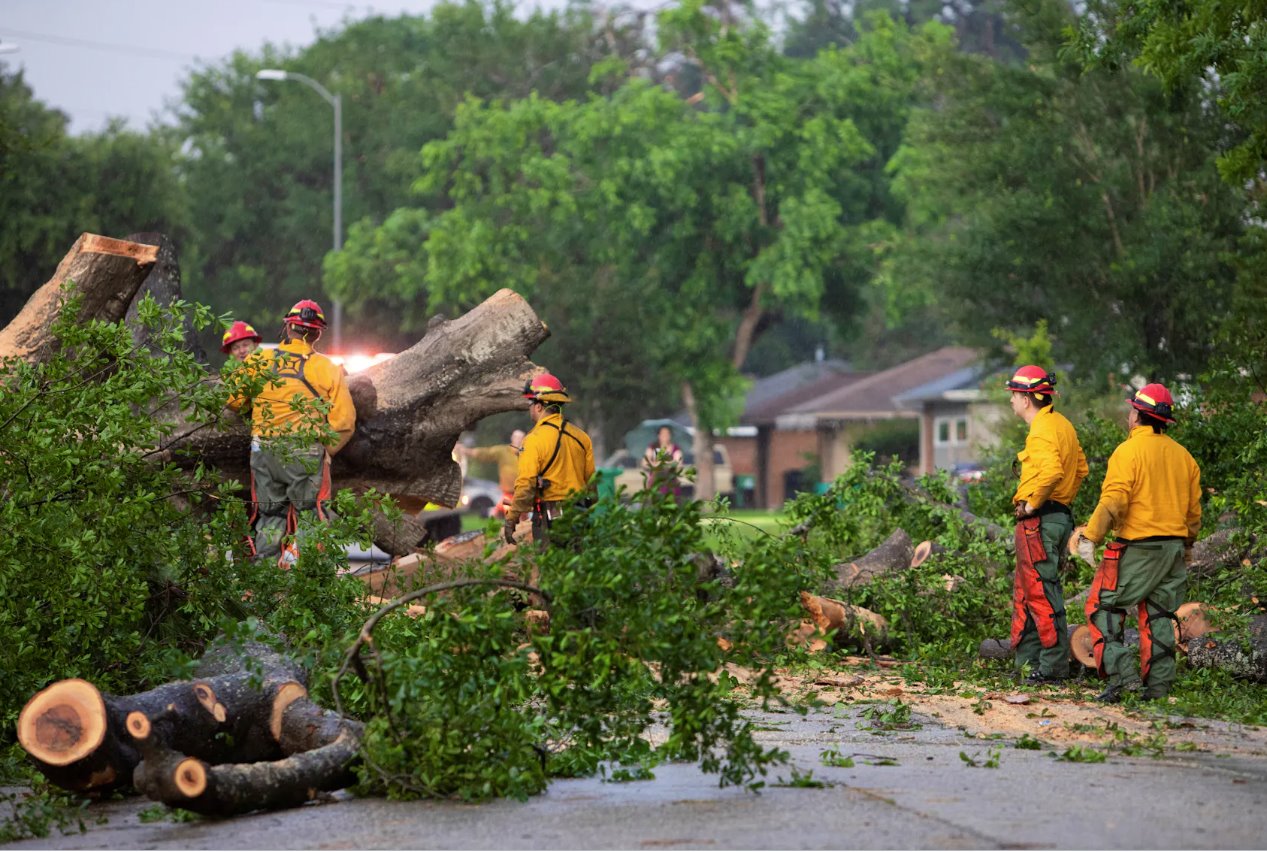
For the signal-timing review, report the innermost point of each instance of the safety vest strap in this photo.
(294, 373)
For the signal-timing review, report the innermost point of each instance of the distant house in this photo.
(776, 453)
(840, 415)
(957, 418)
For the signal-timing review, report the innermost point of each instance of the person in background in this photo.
(506, 457)
(1052, 469)
(557, 460)
(1151, 498)
(662, 463)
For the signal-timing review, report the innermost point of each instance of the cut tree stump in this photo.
(106, 273)
(242, 736)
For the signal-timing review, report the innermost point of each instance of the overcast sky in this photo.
(94, 59)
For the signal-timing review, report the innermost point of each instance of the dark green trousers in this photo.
(1152, 573)
(282, 478)
(1054, 661)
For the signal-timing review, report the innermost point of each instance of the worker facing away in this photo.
(557, 460)
(1052, 467)
(1151, 499)
(300, 417)
(506, 457)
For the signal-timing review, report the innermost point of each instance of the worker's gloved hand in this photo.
(508, 532)
(1086, 549)
(1021, 510)
(1187, 555)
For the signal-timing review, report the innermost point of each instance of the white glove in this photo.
(1086, 549)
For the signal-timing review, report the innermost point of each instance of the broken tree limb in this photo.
(106, 274)
(895, 553)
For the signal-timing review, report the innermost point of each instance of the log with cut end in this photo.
(237, 710)
(851, 625)
(106, 274)
(895, 553)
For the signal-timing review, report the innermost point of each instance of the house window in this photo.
(950, 431)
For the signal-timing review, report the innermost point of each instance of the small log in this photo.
(893, 554)
(106, 275)
(851, 625)
(1221, 549)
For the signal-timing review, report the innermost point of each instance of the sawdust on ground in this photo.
(1060, 716)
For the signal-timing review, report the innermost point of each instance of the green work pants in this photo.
(282, 478)
(1152, 573)
(1056, 528)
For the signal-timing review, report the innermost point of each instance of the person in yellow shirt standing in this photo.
(557, 460)
(1151, 497)
(1052, 469)
(506, 457)
(290, 455)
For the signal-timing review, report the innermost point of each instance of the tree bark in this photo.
(895, 553)
(1243, 658)
(106, 273)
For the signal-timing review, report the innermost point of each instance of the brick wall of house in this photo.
(787, 452)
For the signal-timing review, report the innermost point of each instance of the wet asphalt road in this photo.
(907, 789)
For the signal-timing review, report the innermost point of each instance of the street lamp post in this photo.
(336, 325)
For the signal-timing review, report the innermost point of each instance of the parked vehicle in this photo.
(632, 478)
(480, 496)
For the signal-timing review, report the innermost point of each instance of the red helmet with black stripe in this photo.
(306, 314)
(1154, 399)
(547, 389)
(1032, 379)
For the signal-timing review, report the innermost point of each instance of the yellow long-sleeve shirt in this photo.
(570, 471)
(1152, 488)
(1052, 463)
(275, 410)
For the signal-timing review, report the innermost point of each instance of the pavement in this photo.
(907, 789)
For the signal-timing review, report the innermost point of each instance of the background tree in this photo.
(1089, 199)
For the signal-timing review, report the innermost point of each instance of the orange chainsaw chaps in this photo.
(1028, 598)
(1105, 580)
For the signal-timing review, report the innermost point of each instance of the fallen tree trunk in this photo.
(1243, 658)
(411, 408)
(106, 273)
(242, 736)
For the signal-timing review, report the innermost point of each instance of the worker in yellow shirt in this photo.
(301, 416)
(1052, 469)
(1151, 498)
(557, 460)
(506, 457)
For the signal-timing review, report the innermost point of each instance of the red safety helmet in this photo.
(238, 331)
(1154, 399)
(546, 389)
(1032, 379)
(306, 314)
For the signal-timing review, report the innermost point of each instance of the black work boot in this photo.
(1112, 694)
(1040, 679)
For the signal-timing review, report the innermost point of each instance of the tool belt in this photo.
(551, 510)
(1051, 507)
